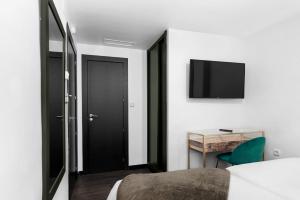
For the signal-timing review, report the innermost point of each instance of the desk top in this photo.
(220, 141)
(209, 132)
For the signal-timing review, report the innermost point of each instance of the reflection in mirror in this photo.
(72, 122)
(55, 99)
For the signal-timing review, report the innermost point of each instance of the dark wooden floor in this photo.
(98, 186)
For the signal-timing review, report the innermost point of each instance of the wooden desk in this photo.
(208, 141)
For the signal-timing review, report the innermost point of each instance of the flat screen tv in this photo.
(214, 79)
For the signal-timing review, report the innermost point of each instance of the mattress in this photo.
(268, 180)
(278, 177)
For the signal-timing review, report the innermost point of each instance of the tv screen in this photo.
(214, 79)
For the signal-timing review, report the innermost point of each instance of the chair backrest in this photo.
(250, 151)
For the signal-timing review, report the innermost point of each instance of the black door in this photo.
(72, 121)
(56, 110)
(105, 113)
(157, 105)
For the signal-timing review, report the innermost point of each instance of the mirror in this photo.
(56, 98)
(53, 92)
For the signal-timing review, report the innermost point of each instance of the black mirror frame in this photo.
(49, 191)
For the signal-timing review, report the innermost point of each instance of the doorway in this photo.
(104, 113)
(157, 105)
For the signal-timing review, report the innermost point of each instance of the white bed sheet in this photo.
(113, 193)
(269, 180)
(280, 177)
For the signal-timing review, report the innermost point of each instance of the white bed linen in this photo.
(240, 189)
(280, 177)
(113, 193)
(269, 180)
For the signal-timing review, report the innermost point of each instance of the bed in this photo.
(268, 180)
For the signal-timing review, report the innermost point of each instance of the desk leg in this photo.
(263, 135)
(204, 159)
(204, 153)
(188, 152)
(189, 158)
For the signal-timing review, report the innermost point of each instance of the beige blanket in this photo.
(194, 184)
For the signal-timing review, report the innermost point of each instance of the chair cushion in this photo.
(224, 156)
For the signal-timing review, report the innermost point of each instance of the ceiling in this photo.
(143, 21)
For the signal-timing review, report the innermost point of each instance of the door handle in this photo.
(92, 117)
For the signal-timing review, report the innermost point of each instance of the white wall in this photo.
(186, 114)
(137, 94)
(272, 89)
(273, 62)
(20, 115)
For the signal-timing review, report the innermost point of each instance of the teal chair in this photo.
(248, 152)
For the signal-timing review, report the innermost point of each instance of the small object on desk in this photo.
(208, 141)
(225, 130)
